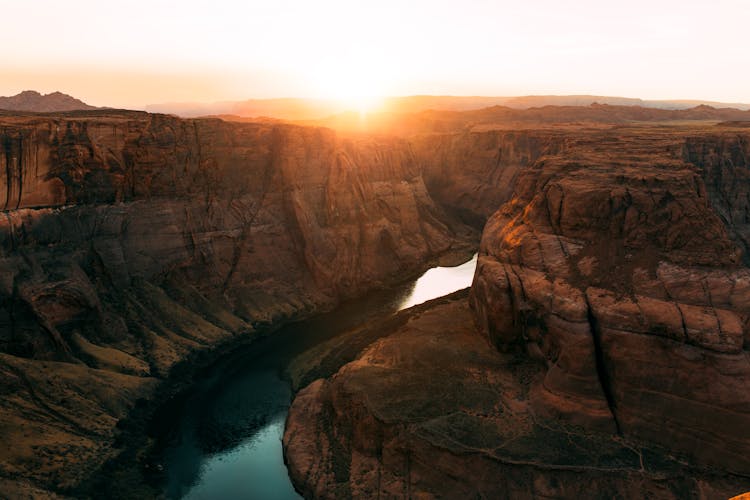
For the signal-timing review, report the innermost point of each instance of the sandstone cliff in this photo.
(624, 280)
(612, 297)
(131, 240)
(474, 173)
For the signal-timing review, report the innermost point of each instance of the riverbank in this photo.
(138, 471)
(430, 409)
(327, 358)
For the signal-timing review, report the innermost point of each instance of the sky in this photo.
(134, 53)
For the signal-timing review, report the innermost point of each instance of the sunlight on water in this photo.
(440, 281)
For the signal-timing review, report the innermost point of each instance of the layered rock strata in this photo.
(605, 352)
(434, 411)
(130, 240)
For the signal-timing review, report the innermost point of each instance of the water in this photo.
(226, 442)
(440, 281)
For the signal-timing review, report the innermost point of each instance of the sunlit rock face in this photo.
(130, 240)
(626, 280)
(605, 345)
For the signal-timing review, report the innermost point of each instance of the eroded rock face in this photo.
(628, 285)
(246, 214)
(612, 295)
(435, 411)
(474, 173)
(131, 240)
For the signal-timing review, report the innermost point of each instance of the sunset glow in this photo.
(136, 53)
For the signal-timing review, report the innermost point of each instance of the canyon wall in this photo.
(627, 284)
(605, 346)
(474, 173)
(245, 215)
(612, 305)
(130, 240)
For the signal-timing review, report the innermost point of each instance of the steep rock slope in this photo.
(131, 240)
(627, 285)
(474, 173)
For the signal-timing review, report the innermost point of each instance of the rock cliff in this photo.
(605, 350)
(130, 240)
(474, 173)
(627, 283)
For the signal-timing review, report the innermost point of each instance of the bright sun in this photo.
(363, 103)
(358, 83)
(353, 93)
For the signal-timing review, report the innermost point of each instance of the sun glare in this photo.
(363, 104)
(357, 81)
(352, 93)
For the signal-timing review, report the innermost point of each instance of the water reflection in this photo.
(440, 281)
(225, 440)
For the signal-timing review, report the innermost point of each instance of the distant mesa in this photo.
(31, 100)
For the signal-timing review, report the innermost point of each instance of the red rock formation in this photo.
(624, 280)
(226, 207)
(614, 292)
(474, 173)
(433, 411)
(131, 240)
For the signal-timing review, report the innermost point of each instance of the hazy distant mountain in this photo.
(31, 100)
(282, 108)
(534, 101)
(504, 117)
(315, 109)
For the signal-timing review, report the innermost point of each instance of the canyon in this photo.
(603, 345)
(130, 241)
(602, 350)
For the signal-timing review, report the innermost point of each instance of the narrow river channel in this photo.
(226, 442)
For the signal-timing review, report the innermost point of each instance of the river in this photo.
(227, 441)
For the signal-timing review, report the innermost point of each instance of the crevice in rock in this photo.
(601, 365)
(8, 172)
(682, 319)
(20, 170)
(248, 220)
(11, 232)
(513, 305)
